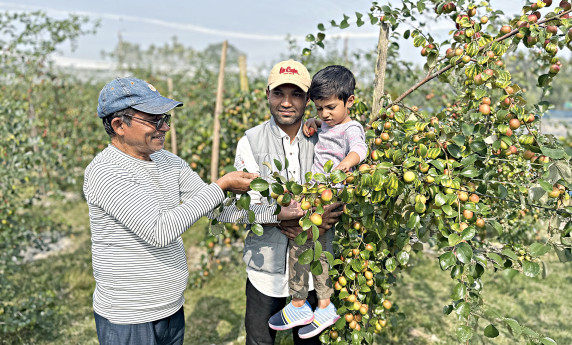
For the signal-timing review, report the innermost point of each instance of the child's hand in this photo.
(310, 127)
(345, 167)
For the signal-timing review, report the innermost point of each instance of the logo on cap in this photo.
(288, 70)
(151, 87)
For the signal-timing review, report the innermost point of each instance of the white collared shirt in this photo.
(271, 284)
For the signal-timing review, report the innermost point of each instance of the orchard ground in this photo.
(215, 312)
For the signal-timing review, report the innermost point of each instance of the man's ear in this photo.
(350, 101)
(117, 126)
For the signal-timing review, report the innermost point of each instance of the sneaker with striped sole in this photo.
(291, 316)
(323, 318)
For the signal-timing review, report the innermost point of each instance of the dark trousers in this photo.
(259, 309)
(166, 331)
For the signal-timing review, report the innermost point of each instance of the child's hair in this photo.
(331, 81)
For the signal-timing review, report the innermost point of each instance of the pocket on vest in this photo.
(266, 253)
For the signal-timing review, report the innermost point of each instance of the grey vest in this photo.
(267, 253)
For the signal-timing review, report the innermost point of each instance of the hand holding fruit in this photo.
(310, 127)
(237, 182)
(292, 211)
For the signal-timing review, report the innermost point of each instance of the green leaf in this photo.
(301, 238)
(328, 166)
(257, 229)
(547, 341)
(329, 257)
(413, 221)
(447, 260)
(338, 176)
(306, 256)
(277, 188)
(459, 292)
(315, 232)
(530, 269)
(463, 309)
(295, 188)
(454, 239)
(454, 150)
(448, 210)
(510, 254)
(468, 233)
(320, 178)
(470, 172)
(440, 200)
(501, 191)
(559, 171)
(259, 184)
(553, 153)
(278, 164)
(538, 249)
(491, 331)
(251, 216)
(403, 257)
(545, 185)
(464, 252)
(464, 333)
(390, 264)
(316, 267)
(514, 326)
(244, 201)
(437, 164)
(317, 250)
(478, 146)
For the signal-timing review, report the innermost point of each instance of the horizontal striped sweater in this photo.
(138, 211)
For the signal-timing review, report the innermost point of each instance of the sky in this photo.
(257, 28)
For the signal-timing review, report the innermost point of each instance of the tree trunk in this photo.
(382, 46)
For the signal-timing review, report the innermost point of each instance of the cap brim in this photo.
(285, 81)
(159, 105)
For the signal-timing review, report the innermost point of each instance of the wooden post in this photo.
(218, 110)
(382, 46)
(243, 83)
(243, 76)
(173, 131)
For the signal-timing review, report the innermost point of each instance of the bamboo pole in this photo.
(243, 76)
(382, 46)
(243, 83)
(173, 130)
(218, 111)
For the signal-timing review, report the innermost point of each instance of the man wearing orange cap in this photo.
(281, 138)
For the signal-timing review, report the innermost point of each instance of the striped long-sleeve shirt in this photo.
(138, 211)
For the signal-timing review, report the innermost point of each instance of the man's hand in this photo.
(291, 228)
(293, 211)
(331, 216)
(237, 182)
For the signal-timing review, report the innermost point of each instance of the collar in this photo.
(279, 133)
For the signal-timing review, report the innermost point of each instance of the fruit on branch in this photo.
(565, 5)
(316, 219)
(505, 29)
(554, 69)
(474, 198)
(327, 195)
(484, 109)
(408, 176)
(514, 123)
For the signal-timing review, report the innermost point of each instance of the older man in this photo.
(141, 199)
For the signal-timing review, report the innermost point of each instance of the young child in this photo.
(342, 141)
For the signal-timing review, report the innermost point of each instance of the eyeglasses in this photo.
(166, 118)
